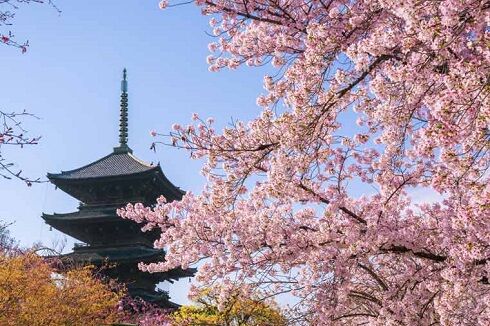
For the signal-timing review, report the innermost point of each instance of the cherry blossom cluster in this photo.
(136, 310)
(372, 101)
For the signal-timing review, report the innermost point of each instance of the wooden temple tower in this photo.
(110, 242)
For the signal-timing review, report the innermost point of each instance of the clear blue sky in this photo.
(70, 78)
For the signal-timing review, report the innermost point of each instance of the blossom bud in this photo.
(163, 4)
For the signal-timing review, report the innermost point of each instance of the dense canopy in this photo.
(372, 102)
(32, 293)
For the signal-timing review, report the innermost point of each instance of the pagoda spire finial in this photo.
(123, 120)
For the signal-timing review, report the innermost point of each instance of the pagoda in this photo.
(113, 244)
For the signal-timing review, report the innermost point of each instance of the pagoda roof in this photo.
(126, 253)
(100, 227)
(135, 253)
(81, 215)
(112, 165)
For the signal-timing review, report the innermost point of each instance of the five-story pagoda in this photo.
(116, 244)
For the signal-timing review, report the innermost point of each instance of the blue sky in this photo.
(70, 78)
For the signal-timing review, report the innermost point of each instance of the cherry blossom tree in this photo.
(8, 8)
(13, 134)
(370, 100)
(11, 130)
(136, 311)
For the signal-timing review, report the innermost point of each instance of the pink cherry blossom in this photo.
(176, 127)
(304, 200)
(163, 4)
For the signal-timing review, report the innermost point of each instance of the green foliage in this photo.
(236, 310)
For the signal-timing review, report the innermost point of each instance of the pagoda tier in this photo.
(121, 264)
(116, 179)
(99, 227)
(113, 244)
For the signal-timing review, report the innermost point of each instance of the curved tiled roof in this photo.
(114, 164)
